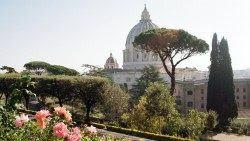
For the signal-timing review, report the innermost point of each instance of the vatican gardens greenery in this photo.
(97, 101)
(64, 105)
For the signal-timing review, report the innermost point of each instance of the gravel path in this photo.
(231, 137)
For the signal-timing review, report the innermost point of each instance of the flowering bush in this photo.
(46, 126)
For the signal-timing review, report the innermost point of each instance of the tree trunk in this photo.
(172, 88)
(60, 101)
(87, 121)
(6, 98)
(27, 102)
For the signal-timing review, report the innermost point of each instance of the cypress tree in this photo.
(220, 90)
(213, 82)
(227, 103)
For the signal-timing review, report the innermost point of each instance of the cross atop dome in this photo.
(145, 14)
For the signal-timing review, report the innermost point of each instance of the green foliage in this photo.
(88, 90)
(37, 66)
(220, 84)
(21, 89)
(174, 45)
(115, 102)
(8, 69)
(174, 124)
(153, 107)
(61, 70)
(195, 123)
(6, 122)
(240, 126)
(147, 135)
(211, 120)
(149, 75)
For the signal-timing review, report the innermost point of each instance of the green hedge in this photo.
(141, 134)
(147, 135)
(64, 88)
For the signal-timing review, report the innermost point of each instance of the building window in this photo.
(237, 90)
(202, 98)
(244, 97)
(237, 97)
(190, 92)
(244, 90)
(202, 91)
(244, 104)
(137, 56)
(202, 105)
(238, 104)
(190, 104)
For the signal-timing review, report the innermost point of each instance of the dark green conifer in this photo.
(220, 90)
(213, 82)
(228, 104)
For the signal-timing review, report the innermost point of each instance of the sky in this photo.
(76, 32)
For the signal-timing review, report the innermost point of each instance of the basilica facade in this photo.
(191, 83)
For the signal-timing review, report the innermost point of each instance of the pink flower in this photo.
(91, 130)
(21, 120)
(61, 111)
(60, 130)
(41, 117)
(75, 135)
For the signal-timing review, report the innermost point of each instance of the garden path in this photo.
(230, 137)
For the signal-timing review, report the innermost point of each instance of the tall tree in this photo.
(229, 106)
(221, 96)
(214, 76)
(149, 75)
(38, 67)
(61, 70)
(8, 69)
(172, 46)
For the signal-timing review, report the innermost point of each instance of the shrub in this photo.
(147, 135)
(211, 120)
(153, 108)
(194, 123)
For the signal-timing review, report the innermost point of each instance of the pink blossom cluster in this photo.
(90, 130)
(41, 117)
(75, 135)
(61, 111)
(21, 120)
(60, 130)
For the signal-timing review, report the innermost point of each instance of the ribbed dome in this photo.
(111, 59)
(145, 24)
(111, 63)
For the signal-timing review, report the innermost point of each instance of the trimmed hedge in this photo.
(147, 135)
(64, 88)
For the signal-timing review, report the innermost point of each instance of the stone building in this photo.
(191, 84)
